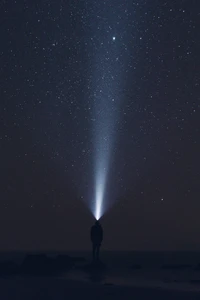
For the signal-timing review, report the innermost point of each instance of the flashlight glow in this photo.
(99, 194)
(98, 204)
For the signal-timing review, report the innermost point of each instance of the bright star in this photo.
(114, 38)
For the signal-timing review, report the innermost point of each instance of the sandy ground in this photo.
(57, 288)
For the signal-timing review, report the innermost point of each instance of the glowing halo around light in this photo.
(98, 201)
(99, 193)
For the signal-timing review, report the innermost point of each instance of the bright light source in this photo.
(99, 192)
(98, 209)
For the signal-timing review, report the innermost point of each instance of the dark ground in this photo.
(119, 276)
(51, 288)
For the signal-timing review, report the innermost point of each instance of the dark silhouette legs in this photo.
(95, 252)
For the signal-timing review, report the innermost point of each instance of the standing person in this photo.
(96, 235)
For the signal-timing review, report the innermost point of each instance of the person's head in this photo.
(97, 223)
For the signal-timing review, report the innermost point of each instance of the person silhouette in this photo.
(96, 235)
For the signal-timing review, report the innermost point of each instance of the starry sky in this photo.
(90, 84)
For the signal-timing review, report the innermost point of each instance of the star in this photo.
(114, 38)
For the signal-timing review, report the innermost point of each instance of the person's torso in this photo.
(96, 234)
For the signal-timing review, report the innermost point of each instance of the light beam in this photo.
(105, 134)
(100, 185)
(105, 86)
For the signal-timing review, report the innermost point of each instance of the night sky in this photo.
(92, 89)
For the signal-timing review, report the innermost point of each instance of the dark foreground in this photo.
(58, 288)
(118, 276)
